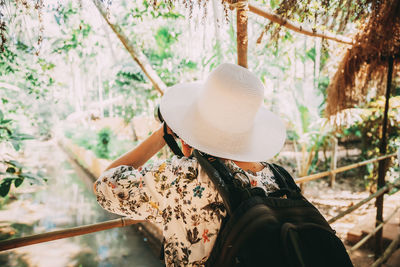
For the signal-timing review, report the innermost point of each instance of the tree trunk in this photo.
(136, 54)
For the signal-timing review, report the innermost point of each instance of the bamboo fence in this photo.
(121, 222)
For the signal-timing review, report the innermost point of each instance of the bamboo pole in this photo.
(299, 28)
(383, 163)
(362, 241)
(388, 252)
(241, 26)
(380, 192)
(59, 234)
(341, 169)
(136, 54)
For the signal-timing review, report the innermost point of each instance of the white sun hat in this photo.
(225, 116)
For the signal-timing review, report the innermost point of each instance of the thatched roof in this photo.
(364, 65)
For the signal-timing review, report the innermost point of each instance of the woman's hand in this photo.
(169, 131)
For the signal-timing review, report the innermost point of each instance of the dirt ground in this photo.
(332, 201)
(348, 190)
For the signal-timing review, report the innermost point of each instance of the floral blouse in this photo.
(177, 196)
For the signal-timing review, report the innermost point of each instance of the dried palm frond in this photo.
(364, 64)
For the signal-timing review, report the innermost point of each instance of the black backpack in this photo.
(281, 229)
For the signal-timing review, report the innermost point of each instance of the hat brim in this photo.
(265, 139)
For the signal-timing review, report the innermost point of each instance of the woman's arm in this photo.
(124, 190)
(143, 152)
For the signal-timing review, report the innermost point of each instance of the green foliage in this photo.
(8, 133)
(136, 94)
(99, 71)
(368, 128)
(75, 40)
(24, 85)
(14, 171)
(83, 137)
(305, 117)
(165, 38)
(65, 12)
(6, 57)
(311, 54)
(103, 140)
(160, 10)
(103, 143)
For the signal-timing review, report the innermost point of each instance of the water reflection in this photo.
(67, 201)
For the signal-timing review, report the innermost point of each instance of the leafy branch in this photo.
(14, 171)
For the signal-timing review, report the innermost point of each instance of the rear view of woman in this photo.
(224, 117)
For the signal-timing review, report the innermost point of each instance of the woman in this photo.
(223, 117)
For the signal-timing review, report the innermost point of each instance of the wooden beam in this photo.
(136, 54)
(299, 28)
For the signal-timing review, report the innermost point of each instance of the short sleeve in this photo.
(132, 192)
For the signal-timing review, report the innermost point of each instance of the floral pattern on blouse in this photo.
(177, 196)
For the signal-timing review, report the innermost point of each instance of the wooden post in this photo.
(382, 163)
(334, 161)
(241, 25)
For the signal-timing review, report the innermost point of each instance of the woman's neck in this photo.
(249, 166)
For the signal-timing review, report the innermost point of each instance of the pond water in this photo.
(67, 200)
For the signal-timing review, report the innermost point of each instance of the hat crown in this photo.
(231, 98)
(224, 115)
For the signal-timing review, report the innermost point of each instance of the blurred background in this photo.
(75, 94)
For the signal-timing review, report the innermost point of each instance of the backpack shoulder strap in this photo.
(231, 190)
(220, 177)
(285, 181)
(170, 140)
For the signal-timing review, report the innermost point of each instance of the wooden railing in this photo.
(65, 233)
(86, 229)
(341, 169)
